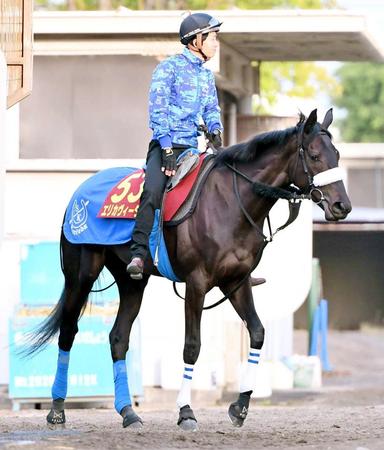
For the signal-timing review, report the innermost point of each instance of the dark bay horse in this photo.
(216, 246)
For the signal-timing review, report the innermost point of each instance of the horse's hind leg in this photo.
(131, 294)
(242, 301)
(81, 266)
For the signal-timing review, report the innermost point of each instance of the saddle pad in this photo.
(82, 223)
(156, 240)
(123, 200)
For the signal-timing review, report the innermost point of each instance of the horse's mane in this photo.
(250, 150)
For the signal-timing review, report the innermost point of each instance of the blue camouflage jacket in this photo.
(182, 93)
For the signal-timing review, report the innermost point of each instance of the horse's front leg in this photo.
(242, 301)
(194, 300)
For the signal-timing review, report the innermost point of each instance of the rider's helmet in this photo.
(195, 24)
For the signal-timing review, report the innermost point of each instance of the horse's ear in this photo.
(328, 118)
(310, 122)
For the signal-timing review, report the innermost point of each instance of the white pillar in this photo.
(245, 105)
(3, 105)
(279, 338)
(4, 370)
(232, 124)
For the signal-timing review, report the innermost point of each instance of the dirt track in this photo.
(347, 413)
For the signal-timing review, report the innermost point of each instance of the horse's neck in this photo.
(271, 169)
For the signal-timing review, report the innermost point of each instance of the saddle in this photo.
(184, 188)
(182, 191)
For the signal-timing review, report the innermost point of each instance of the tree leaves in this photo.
(187, 4)
(292, 79)
(362, 97)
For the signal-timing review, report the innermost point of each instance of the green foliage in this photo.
(292, 79)
(287, 4)
(257, 4)
(187, 4)
(362, 96)
(130, 4)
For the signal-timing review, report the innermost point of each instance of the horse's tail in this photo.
(39, 337)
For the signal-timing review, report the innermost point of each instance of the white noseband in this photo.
(328, 177)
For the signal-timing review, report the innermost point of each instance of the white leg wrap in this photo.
(184, 397)
(248, 379)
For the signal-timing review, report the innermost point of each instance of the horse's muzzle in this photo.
(339, 210)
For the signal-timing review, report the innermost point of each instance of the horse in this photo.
(230, 214)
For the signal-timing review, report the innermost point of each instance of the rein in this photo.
(241, 282)
(294, 197)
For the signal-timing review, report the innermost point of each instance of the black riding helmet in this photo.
(197, 23)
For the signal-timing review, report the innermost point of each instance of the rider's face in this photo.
(211, 44)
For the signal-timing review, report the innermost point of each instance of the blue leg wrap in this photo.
(59, 388)
(122, 395)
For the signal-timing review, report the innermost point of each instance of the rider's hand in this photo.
(215, 138)
(168, 161)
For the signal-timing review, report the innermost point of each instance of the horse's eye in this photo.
(315, 157)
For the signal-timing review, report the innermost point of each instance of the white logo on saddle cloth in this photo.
(79, 217)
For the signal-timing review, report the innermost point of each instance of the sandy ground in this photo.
(347, 413)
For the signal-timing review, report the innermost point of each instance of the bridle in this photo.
(319, 180)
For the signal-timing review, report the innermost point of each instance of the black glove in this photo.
(215, 138)
(168, 161)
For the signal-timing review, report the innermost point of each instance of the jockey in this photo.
(182, 95)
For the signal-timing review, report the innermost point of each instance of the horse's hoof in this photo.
(187, 420)
(131, 419)
(188, 425)
(56, 419)
(134, 425)
(237, 414)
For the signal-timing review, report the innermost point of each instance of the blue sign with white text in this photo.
(90, 368)
(42, 281)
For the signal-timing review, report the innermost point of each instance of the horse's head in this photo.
(315, 169)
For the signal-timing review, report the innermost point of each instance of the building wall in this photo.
(352, 276)
(248, 126)
(372, 179)
(87, 107)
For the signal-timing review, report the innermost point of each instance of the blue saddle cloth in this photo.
(82, 226)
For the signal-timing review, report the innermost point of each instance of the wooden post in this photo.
(16, 43)
(3, 102)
